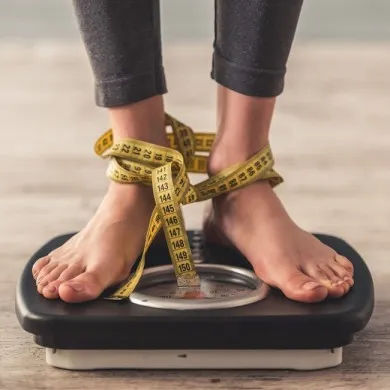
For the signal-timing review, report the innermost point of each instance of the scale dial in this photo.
(221, 287)
(209, 289)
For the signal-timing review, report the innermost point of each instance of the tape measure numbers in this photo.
(166, 170)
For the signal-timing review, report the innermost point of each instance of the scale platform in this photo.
(271, 333)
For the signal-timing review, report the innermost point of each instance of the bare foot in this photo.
(282, 254)
(101, 254)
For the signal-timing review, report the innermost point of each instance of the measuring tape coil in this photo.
(166, 170)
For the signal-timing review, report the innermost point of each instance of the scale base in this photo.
(273, 333)
(194, 359)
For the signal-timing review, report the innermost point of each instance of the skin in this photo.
(281, 253)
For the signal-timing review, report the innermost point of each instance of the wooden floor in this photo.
(331, 139)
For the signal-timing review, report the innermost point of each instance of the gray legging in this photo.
(252, 43)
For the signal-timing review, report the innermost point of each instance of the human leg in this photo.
(252, 45)
(123, 42)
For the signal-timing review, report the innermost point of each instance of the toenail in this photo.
(338, 283)
(311, 285)
(76, 287)
(51, 289)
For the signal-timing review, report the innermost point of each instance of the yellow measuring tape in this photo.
(166, 170)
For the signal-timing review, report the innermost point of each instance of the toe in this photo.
(82, 288)
(71, 272)
(51, 290)
(338, 283)
(345, 263)
(303, 288)
(38, 266)
(51, 277)
(324, 272)
(325, 276)
(46, 270)
(55, 273)
(342, 273)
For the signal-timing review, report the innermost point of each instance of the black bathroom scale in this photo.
(237, 322)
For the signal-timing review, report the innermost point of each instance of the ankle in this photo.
(243, 128)
(227, 154)
(122, 200)
(144, 121)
